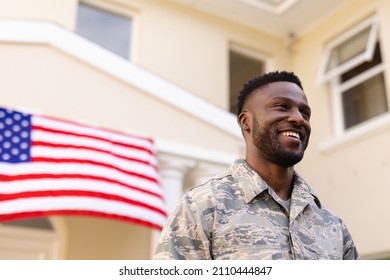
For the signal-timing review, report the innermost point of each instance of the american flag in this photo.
(55, 167)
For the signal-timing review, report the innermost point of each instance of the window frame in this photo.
(248, 52)
(115, 9)
(343, 137)
(337, 103)
(367, 55)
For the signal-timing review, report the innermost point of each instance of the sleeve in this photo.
(185, 236)
(349, 249)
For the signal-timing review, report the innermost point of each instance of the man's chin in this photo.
(290, 159)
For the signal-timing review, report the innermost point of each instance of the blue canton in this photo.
(15, 136)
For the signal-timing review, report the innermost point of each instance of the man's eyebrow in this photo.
(281, 97)
(286, 99)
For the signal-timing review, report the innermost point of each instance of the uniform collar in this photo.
(251, 184)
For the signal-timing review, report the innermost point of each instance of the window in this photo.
(107, 29)
(352, 64)
(40, 223)
(242, 66)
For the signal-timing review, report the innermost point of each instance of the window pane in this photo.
(109, 30)
(241, 68)
(40, 223)
(348, 49)
(376, 59)
(365, 101)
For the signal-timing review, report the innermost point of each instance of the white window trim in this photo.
(338, 89)
(324, 75)
(357, 133)
(343, 137)
(130, 13)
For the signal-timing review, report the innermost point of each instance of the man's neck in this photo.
(279, 178)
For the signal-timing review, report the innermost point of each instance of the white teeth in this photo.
(290, 133)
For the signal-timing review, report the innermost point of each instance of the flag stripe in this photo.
(60, 153)
(7, 178)
(37, 214)
(44, 184)
(92, 162)
(74, 203)
(52, 130)
(37, 144)
(53, 193)
(41, 136)
(75, 169)
(67, 125)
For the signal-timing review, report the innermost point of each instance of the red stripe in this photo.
(66, 146)
(85, 161)
(78, 193)
(9, 178)
(36, 214)
(100, 128)
(36, 127)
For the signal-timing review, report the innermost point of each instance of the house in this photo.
(171, 70)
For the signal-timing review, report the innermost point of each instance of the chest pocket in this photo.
(248, 237)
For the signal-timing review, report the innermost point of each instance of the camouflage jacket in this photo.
(236, 215)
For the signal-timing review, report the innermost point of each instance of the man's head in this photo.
(274, 115)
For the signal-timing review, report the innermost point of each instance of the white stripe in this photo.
(82, 169)
(71, 153)
(81, 203)
(93, 143)
(14, 187)
(75, 128)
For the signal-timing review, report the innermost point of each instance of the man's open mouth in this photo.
(290, 134)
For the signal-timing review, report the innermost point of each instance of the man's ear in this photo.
(244, 121)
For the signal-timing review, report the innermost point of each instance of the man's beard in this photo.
(266, 140)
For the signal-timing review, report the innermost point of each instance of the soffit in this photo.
(278, 17)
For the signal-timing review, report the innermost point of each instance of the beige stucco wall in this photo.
(63, 12)
(106, 239)
(354, 180)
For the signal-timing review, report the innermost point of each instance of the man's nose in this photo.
(296, 117)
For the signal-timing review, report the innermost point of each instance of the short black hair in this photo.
(262, 80)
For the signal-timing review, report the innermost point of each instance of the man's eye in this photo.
(306, 114)
(282, 105)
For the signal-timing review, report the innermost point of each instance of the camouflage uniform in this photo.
(236, 215)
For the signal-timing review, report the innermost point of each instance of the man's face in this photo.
(280, 125)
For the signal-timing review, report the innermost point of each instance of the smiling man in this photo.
(260, 208)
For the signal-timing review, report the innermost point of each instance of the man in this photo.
(260, 208)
